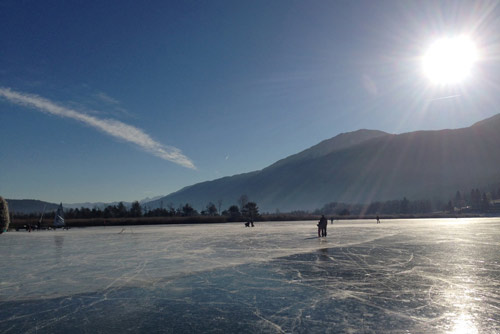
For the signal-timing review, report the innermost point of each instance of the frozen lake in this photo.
(401, 276)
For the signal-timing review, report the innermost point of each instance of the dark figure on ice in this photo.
(378, 219)
(331, 220)
(322, 226)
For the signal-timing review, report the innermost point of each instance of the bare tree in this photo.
(242, 201)
(219, 204)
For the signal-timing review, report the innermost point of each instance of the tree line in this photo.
(403, 206)
(248, 210)
(244, 210)
(475, 201)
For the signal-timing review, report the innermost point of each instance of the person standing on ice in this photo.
(322, 226)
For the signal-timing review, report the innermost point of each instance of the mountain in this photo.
(360, 167)
(26, 206)
(328, 146)
(150, 199)
(102, 205)
(92, 205)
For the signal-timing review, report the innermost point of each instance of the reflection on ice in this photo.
(463, 324)
(424, 276)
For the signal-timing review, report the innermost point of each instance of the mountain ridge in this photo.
(27, 206)
(419, 164)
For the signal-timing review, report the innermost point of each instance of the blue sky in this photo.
(122, 100)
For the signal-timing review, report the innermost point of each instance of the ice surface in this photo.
(416, 276)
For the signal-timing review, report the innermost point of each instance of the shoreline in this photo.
(19, 223)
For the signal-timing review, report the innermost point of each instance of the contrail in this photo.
(445, 97)
(111, 127)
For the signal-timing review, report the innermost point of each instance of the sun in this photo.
(450, 61)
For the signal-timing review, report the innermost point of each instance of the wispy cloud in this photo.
(106, 98)
(110, 102)
(111, 127)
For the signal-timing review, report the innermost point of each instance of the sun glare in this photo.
(449, 60)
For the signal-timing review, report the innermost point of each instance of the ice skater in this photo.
(323, 223)
(378, 219)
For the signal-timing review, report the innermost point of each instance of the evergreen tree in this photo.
(485, 203)
(211, 209)
(187, 210)
(234, 211)
(108, 212)
(121, 210)
(135, 209)
(250, 211)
